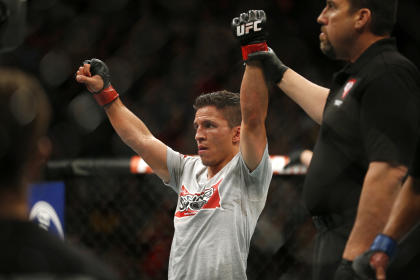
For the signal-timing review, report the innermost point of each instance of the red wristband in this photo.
(246, 50)
(106, 96)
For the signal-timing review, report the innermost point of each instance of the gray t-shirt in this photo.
(215, 218)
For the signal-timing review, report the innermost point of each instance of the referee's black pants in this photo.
(330, 240)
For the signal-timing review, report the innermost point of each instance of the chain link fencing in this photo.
(127, 220)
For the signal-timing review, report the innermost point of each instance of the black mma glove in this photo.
(273, 67)
(345, 271)
(107, 94)
(249, 30)
(294, 158)
(376, 258)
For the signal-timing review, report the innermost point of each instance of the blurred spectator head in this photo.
(24, 117)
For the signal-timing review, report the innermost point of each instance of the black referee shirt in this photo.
(371, 114)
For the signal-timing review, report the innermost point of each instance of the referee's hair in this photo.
(226, 101)
(383, 14)
(24, 118)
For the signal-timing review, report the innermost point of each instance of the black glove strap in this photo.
(98, 67)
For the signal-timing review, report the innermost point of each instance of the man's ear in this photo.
(363, 19)
(237, 134)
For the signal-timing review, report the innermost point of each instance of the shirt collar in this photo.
(373, 50)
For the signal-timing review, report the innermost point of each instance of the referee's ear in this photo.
(363, 19)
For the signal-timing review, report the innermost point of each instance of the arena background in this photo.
(162, 54)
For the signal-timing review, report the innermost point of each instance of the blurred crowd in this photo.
(162, 54)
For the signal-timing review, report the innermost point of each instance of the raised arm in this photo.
(254, 92)
(95, 75)
(254, 103)
(309, 96)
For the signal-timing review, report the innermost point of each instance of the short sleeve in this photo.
(258, 180)
(390, 118)
(175, 162)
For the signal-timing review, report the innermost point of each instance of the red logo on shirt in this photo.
(190, 204)
(348, 87)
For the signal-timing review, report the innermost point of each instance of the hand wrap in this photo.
(381, 251)
(107, 94)
(384, 243)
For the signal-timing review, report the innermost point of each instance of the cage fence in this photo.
(127, 221)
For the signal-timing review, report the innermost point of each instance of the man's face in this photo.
(337, 29)
(215, 138)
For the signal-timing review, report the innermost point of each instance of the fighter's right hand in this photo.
(96, 76)
(249, 30)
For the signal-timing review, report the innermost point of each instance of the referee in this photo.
(369, 120)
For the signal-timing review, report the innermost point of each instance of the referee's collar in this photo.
(373, 50)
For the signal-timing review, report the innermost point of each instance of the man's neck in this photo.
(213, 170)
(362, 44)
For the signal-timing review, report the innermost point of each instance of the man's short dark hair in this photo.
(384, 14)
(24, 117)
(226, 101)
